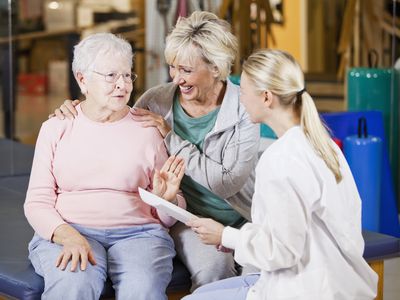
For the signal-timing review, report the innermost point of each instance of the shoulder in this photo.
(55, 128)
(149, 135)
(286, 156)
(164, 92)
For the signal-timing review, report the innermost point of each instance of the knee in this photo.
(73, 285)
(141, 290)
(213, 270)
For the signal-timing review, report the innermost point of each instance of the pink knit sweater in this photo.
(88, 173)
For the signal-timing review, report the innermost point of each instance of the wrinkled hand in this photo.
(67, 109)
(150, 119)
(166, 182)
(76, 248)
(208, 230)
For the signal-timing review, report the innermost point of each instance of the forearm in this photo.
(166, 220)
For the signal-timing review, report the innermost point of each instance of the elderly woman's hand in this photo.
(67, 109)
(76, 248)
(166, 182)
(208, 230)
(150, 119)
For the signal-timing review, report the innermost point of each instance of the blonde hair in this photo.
(278, 72)
(209, 36)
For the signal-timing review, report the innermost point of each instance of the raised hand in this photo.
(166, 181)
(150, 119)
(67, 109)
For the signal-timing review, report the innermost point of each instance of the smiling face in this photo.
(195, 78)
(253, 101)
(101, 94)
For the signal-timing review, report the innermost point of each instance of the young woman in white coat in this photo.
(305, 234)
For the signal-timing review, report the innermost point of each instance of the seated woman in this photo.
(305, 234)
(88, 218)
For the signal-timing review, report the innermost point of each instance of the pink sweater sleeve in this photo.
(165, 219)
(41, 196)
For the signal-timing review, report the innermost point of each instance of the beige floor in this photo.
(391, 281)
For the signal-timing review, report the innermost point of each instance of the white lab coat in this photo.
(306, 231)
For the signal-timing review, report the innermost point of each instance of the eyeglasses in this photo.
(113, 77)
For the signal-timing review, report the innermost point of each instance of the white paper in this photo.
(170, 209)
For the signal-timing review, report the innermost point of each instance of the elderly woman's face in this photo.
(194, 77)
(109, 84)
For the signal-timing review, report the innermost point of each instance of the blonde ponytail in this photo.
(278, 72)
(318, 135)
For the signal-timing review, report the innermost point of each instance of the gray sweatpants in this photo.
(204, 262)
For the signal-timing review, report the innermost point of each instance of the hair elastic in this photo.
(299, 93)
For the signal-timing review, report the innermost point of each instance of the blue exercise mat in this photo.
(344, 124)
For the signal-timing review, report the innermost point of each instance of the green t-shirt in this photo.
(200, 200)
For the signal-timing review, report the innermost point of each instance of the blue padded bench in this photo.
(17, 276)
(379, 247)
(19, 280)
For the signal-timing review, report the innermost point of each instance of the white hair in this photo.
(209, 36)
(96, 45)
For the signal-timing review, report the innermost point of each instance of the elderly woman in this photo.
(88, 219)
(306, 230)
(200, 118)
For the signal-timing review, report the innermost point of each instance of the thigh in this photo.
(204, 262)
(142, 264)
(43, 255)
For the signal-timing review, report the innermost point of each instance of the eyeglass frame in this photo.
(133, 77)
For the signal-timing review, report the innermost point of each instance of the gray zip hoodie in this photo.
(226, 165)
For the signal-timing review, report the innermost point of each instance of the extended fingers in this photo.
(174, 164)
(167, 165)
(84, 260)
(74, 260)
(143, 112)
(63, 260)
(180, 170)
(91, 258)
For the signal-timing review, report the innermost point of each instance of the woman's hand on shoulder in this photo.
(166, 181)
(150, 119)
(76, 248)
(67, 109)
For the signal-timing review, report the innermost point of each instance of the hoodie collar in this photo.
(229, 112)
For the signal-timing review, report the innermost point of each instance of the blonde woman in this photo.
(306, 230)
(201, 119)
